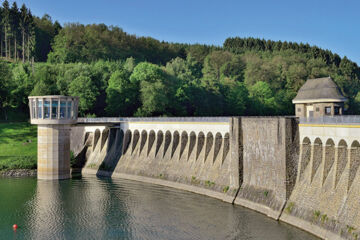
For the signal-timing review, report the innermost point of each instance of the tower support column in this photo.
(53, 152)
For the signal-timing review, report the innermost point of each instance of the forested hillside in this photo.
(118, 74)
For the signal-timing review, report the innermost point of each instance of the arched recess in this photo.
(112, 137)
(176, 140)
(354, 161)
(341, 160)
(317, 158)
(119, 140)
(329, 157)
(127, 140)
(192, 143)
(226, 146)
(183, 142)
(167, 141)
(305, 156)
(104, 136)
(209, 144)
(136, 137)
(143, 140)
(96, 137)
(200, 144)
(88, 139)
(151, 141)
(159, 141)
(218, 143)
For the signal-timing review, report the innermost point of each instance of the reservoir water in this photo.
(95, 208)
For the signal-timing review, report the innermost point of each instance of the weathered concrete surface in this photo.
(260, 154)
(191, 156)
(53, 152)
(325, 200)
(270, 153)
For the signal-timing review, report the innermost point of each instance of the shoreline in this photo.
(18, 173)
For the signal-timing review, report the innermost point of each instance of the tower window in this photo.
(327, 110)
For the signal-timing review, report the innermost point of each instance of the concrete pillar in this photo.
(236, 152)
(336, 167)
(300, 163)
(323, 161)
(312, 167)
(53, 151)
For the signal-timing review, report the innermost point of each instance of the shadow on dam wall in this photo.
(256, 162)
(199, 161)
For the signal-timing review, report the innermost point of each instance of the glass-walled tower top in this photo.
(53, 109)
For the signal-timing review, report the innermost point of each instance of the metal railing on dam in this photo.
(152, 119)
(343, 119)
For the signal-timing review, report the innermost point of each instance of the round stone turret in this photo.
(54, 116)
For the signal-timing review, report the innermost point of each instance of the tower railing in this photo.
(342, 119)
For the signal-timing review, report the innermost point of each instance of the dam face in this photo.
(305, 174)
(191, 152)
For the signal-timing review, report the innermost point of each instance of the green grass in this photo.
(209, 183)
(317, 214)
(289, 207)
(91, 165)
(18, 146)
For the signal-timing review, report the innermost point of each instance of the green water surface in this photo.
(95, 208)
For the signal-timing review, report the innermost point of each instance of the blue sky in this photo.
(330, 24)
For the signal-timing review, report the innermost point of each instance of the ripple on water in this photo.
(96, 208)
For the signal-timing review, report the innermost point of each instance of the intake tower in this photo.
(54, 116)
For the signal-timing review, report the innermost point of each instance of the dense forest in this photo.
(118, 74)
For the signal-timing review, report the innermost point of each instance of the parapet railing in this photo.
(343, 119)
(153, 119)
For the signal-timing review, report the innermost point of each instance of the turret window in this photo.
(327, 110)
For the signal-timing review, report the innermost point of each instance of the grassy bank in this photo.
(18, 146)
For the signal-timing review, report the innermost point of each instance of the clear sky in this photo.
(329, 24)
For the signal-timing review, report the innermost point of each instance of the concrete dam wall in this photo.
(192, 154)
(269, 164)
(325, 200)
(270, 155)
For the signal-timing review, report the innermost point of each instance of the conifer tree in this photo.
(6, 24)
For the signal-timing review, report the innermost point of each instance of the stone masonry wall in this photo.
(270, 152)
(325, 200)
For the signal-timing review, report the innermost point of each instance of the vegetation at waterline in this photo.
(18, 145)
(118, 74)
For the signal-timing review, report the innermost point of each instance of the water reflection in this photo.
(69, 208)
(47, 216)
(92, 208)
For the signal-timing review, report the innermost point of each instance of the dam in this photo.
(302, 170)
